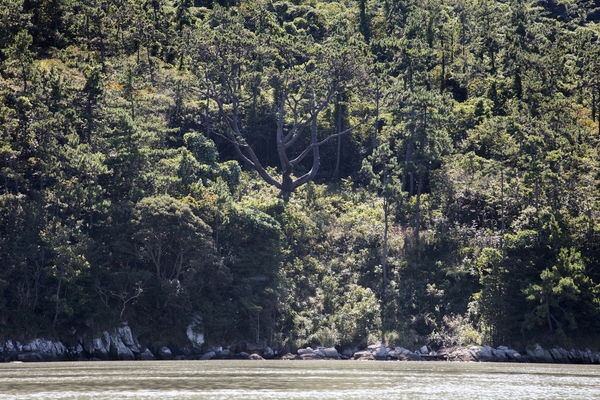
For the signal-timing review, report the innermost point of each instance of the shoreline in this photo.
(121, 346)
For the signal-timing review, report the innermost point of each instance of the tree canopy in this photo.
(301, 172)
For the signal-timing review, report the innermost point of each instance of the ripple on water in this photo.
(297, 380)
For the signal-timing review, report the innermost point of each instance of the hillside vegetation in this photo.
(301, 172)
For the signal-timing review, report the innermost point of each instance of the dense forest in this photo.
(301, 172)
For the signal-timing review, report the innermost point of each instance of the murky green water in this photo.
(297, 380)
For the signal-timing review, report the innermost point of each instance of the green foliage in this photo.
(464, 208)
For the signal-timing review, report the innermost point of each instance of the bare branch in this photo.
(302, 155)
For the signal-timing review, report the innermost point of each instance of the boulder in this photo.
(268, 353)
(254, 348)
(311, 354)
(500, 355)
(30, 357)
(320, 351)
(99, 349)
(589, 356)
(165, 353)
(47, 349)
(255, 357)
(127, 336)
(484, 354)
(12, 350)
(424, 350)
(305, 351)
(349, 353)
(118, 350)
(147, 355)
(77, 352)
(128, 340)
(208, 356)
(557, 356)
(331, 352)
(538, 354)
(381, 353)
(224, 354)
(512, 355)
(364, 355)
(244, 355)
(461, 354)
(290, 356)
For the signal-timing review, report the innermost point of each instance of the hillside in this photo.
(301, 172)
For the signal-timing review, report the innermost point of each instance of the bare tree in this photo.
(302, 78)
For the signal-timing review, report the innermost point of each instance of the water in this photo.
(297, 380)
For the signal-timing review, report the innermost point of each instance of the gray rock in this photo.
(424, 350)
(30, 357)
(208, 356)
(461, 354)
(47, 349)
(147, 355)
(588, 357)
(331, 352)
(244, 355)
(557, 356)
(348, 353)
(513, 355)
(381, 353)
(12, 349)
(128, 340)
(320, 352)
(77, 352)
(255, 348)
(500, 355)
(484, 354)
(106, 339)
(268, 353)
(118, 350)
(99, 350)
(307, 350)
(165, 353)
(564, 354)
(255, 357)
(364, 355)
(224, 354)
(538, 354)
(402, 350)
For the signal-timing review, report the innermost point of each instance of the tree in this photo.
(170, 237)
(304, 78)
(21, 56)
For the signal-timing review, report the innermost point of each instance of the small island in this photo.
(300, 179)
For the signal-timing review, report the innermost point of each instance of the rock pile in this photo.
(120, 344)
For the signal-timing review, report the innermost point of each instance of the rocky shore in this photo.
(120, 344)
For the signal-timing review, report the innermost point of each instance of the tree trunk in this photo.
(57, 303)
(418, 205)
(336, 172)
(548, 317)
(386, 213)
(502, 208)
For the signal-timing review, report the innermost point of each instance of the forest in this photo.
(301, 172)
